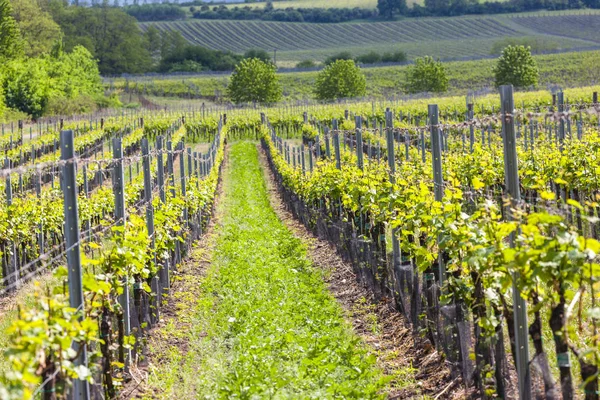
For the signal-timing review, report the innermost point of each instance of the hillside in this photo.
(445, 38)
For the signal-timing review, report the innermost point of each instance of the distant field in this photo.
(567, 69)
(444, 38)
(369, 4)
(317, 4)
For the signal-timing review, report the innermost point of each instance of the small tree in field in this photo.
(426, 75)
(341, 79)
(254, 81)
(516, 66)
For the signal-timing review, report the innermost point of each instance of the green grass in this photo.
(566, 69)
(264, 324)
(444, 38)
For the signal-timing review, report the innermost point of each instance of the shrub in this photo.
(516, 66)
(254, 81)
(341, 79)
(426, 75)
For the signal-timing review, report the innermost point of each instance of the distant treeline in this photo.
(463, 7)
(156, 12)
(290, 14)
(385, 9)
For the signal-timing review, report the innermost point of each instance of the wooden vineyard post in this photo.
(12, 269)
(438, 181)
(561, 121)
(160, 175)
(471, 126)
(336, 144)
(396, 255)
(359, 142)
(196, 170)
(327, 146)
(318, 147)
(170, 166)
(38, 192)
(81, 390)
(189, 162)
(182, 179)
(302, 162)
(154, 303)
(595, 102)
(513, 190)
(119, 192)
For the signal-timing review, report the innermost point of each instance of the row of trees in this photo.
(289, 14)
(156, 12)
(390, 8)
(255, 80)
(385, 9)
(36, 74)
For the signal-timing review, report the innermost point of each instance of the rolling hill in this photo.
(445, 38)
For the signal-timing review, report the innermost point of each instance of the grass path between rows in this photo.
(261, 323)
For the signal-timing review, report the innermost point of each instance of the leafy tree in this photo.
(516, 66)
(172, 42)
(426, 75)
(29, 84)
(156, 12)
(74, 74)
(26, 85)
(437, 7)
(341, 79)
(254, 81)
(195, 58)
(344, 55)
(387, 8)
(111, 36)
(10, 39)
(38, 30)
(153, 39)
(258, 53)
(306, 64)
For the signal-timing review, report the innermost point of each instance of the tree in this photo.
(516, 66)
(111, 35)
(254, 81)
(258, 53)
(74, 74)
(10, 38)
(153, 38)
(26, 85)
(387, 8)
(426, 75)
(38, 30)
(341, 79)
